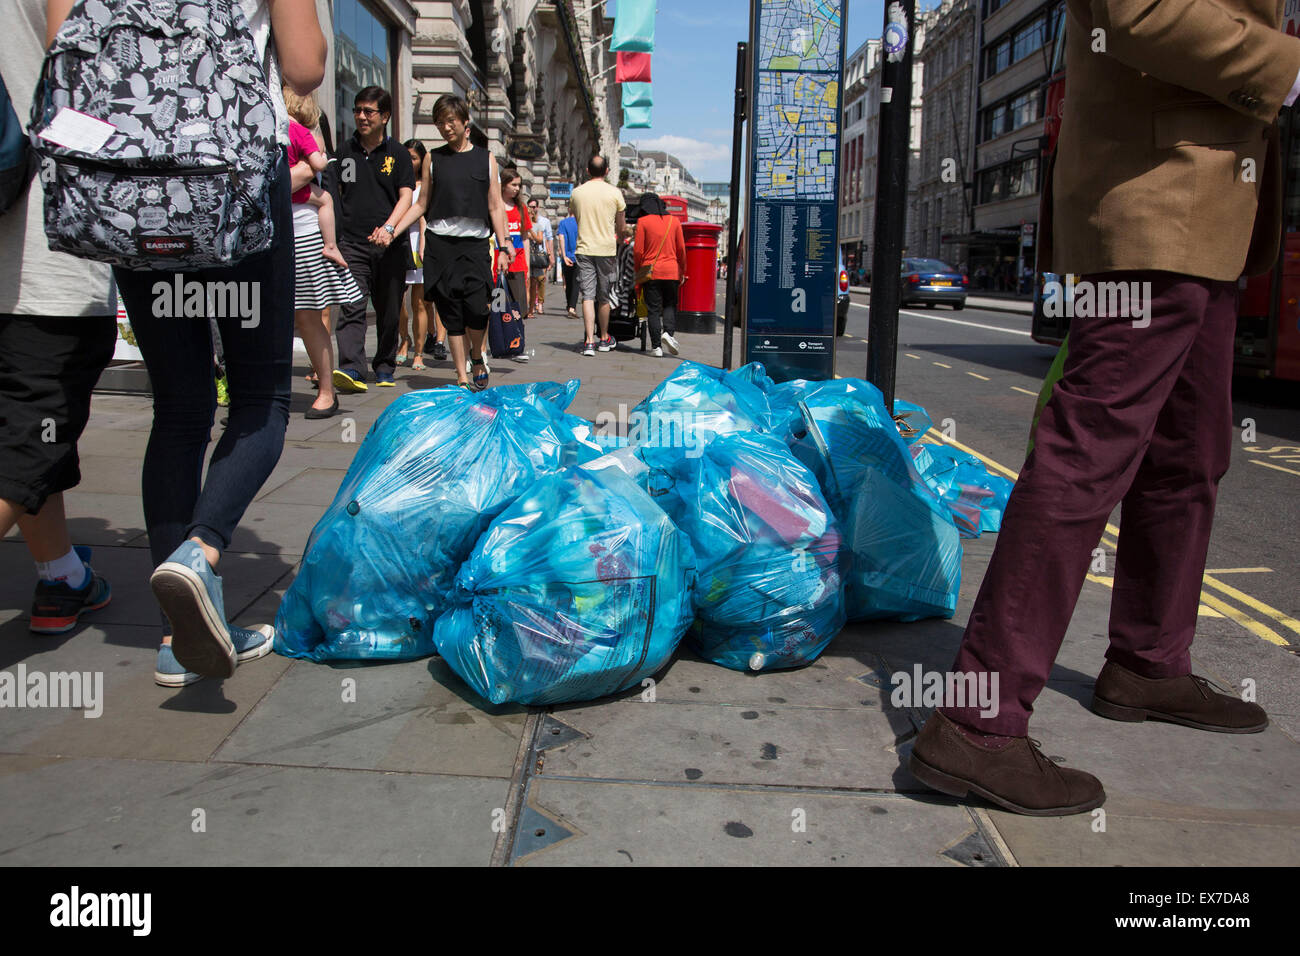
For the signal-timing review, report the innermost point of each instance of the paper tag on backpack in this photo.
(72, 129)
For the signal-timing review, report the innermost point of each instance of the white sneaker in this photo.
(657, 352)
(588, 348)
(671, 342)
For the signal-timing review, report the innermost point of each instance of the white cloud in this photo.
(692, 152)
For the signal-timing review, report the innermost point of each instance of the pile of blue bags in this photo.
(431, 474)
(581, 588)
(548, 560)
(904, 549)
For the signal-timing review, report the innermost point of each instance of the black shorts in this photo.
(48, 367)
(460, 312)
(458, 281)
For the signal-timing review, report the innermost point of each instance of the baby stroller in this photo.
(624, 323)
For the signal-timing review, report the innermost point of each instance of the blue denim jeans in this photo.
(179, 502)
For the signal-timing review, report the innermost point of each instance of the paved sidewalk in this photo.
(277, 766)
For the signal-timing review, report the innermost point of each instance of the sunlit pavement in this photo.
(287, 762)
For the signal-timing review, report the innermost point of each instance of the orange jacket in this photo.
(671, 261)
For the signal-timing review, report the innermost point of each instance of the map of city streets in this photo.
(800, 35)
(796, 134)
(792, 212)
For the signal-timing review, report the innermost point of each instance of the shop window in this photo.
(363, 56)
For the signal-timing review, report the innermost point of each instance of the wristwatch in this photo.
(389, 229)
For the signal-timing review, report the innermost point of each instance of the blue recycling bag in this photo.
(579, 589)
(769, 592)
(905, 550)
(976, 496)
(695, 404)
(917, 419)
(429, 477)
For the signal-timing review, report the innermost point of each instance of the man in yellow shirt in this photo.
(599, 209)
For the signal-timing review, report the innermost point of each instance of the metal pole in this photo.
(737, 144)
(892, 155)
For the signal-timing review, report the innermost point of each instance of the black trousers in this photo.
(570, 284)
(381, 276)
(661, 308)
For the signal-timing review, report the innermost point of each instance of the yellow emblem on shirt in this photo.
(387, 167)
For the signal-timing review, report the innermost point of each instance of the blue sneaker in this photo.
(189, 592)
(349, 380)
(385, 379)
(169, 672)
(56, 606)
(250, 644)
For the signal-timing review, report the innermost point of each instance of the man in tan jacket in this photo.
(1167, 186)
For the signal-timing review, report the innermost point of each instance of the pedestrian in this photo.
(542, 259)
(660, 250)
(514, 258)
(567, 239)
(190, 517)
(321, 277)
(57, 333)
(375, 183)
(419, 322)
(600, 211)
(460, 198)
(1142, 413)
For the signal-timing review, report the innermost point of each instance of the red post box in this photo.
(698, 297)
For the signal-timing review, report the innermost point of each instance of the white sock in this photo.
(69, 569)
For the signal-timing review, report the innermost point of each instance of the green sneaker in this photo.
(223, 392)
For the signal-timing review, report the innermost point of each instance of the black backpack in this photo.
(181, 174)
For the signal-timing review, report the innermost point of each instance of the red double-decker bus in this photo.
(1267, 343)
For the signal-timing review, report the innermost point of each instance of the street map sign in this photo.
(791, 259)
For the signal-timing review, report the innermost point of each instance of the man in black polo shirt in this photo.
(375, 181)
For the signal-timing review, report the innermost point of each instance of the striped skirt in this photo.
(318, 282)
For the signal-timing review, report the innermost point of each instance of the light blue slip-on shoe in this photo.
(190, 594)
(169, 672)
(250, 644)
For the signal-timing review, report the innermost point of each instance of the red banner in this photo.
(632, 68)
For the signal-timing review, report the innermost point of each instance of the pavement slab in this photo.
(413, 716)
(613, 824)
(96, 812)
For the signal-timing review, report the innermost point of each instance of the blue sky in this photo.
(693, 68)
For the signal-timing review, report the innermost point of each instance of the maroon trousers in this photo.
(1141, 416)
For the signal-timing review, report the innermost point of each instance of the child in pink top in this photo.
(304, 148)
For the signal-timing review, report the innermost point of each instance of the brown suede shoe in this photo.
(1016, 777)
(1191, 701)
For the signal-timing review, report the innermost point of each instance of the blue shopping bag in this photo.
(506, 323)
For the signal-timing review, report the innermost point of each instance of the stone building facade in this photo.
(945, 176)
(1015, 50)
(862, 82)
(538, 75)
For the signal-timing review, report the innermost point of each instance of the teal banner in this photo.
(634, 27)
(637, 94)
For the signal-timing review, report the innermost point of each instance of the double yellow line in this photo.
(1111, 540)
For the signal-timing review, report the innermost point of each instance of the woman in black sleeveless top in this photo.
(460, 197)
